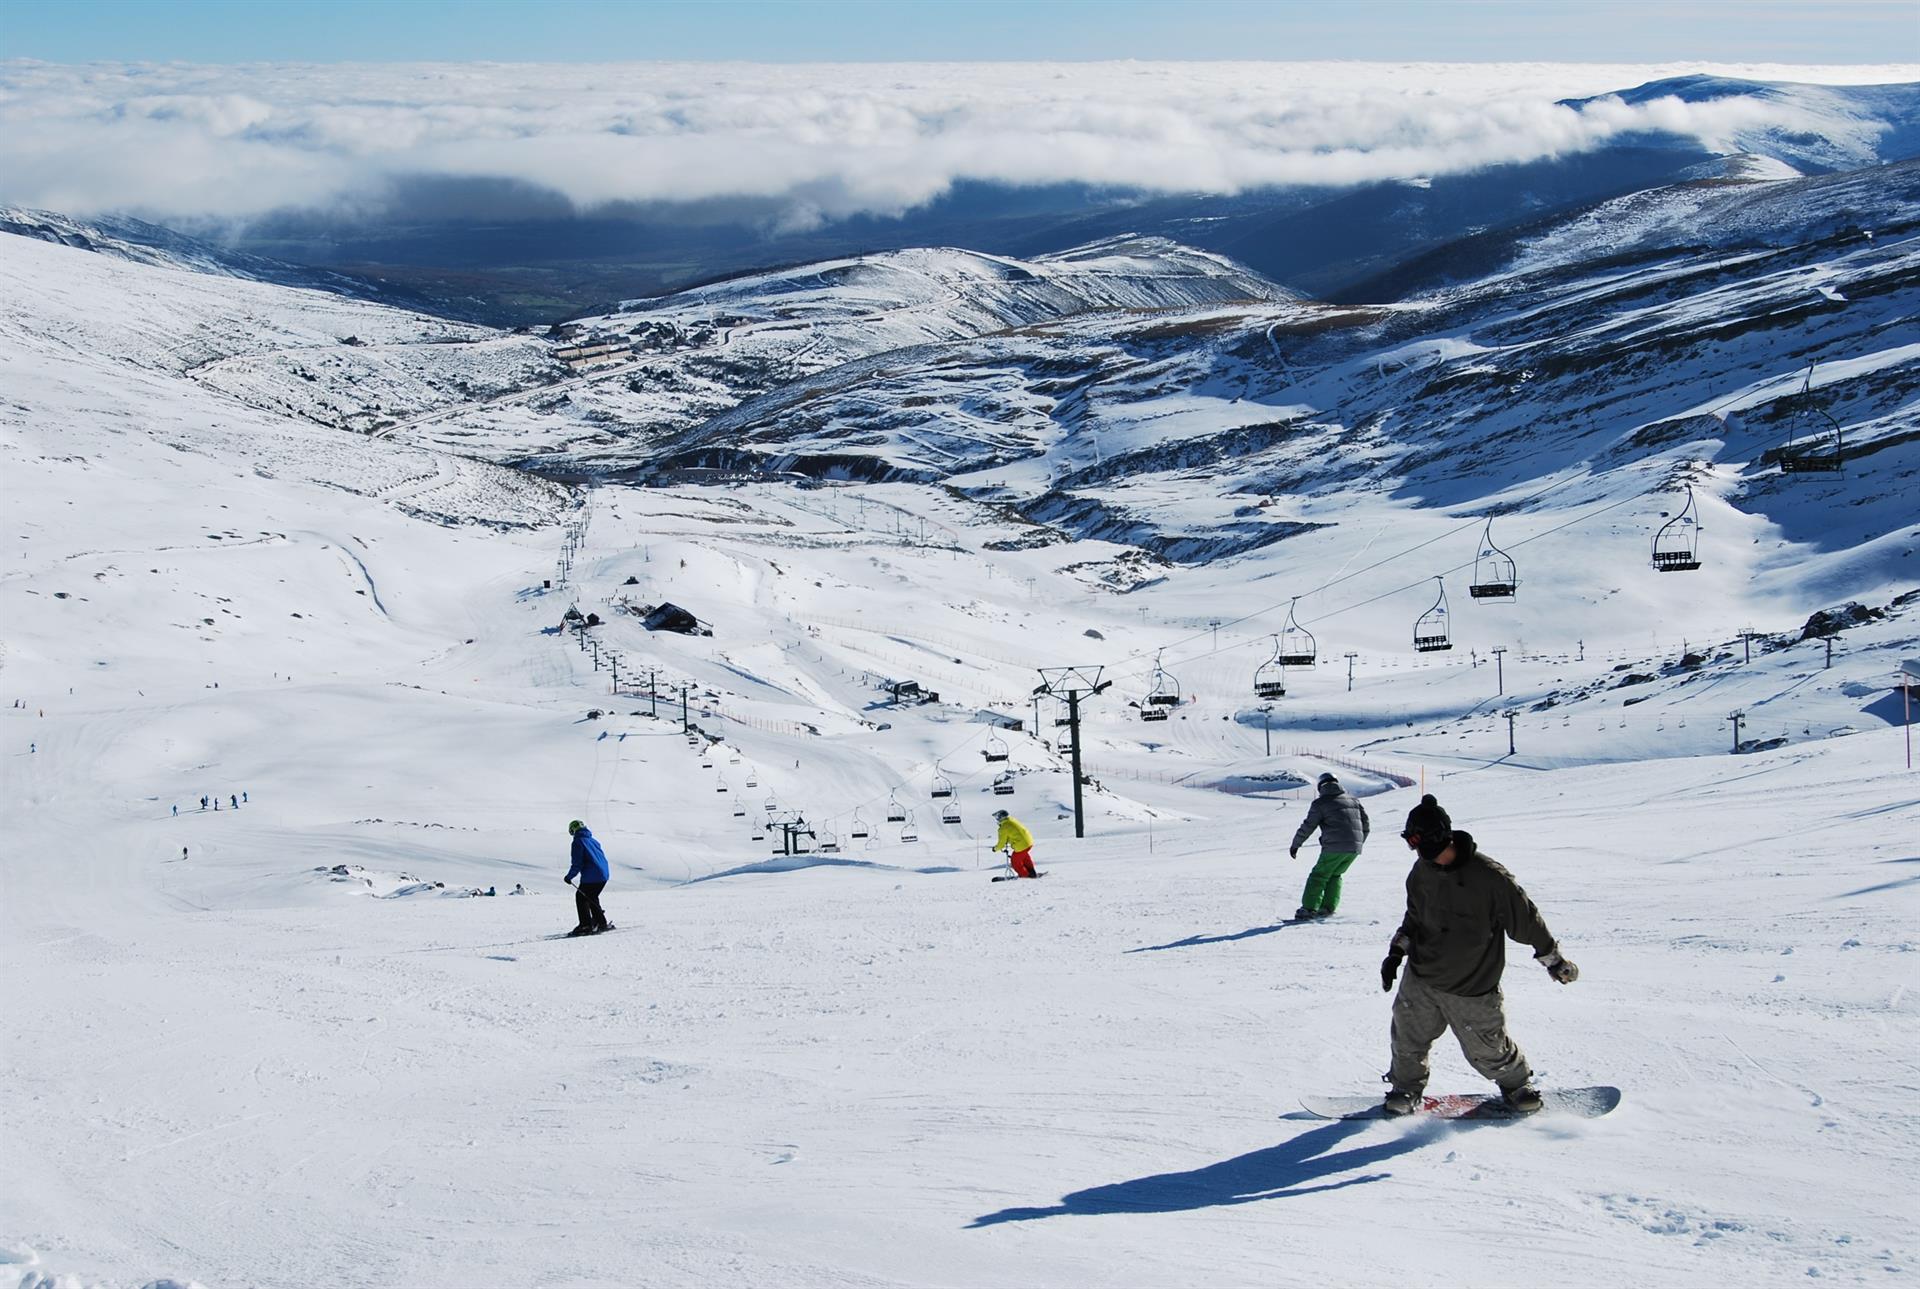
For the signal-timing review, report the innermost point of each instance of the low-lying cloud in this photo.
(175, 141)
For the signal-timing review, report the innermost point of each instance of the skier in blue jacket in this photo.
(590, 866)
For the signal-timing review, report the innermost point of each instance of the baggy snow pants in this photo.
(1422, 1013)
(586, 899)
(1022, 861)
(1323, 883)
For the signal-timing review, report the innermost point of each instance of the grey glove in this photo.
(1559, 968)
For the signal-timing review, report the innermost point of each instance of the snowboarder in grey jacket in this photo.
(1343, 826)
(1462, 908)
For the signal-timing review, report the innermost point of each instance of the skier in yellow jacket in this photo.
(1017, 841)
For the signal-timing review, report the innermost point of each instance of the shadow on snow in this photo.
(792, 863)
(1305, 1165)
(1193, 940)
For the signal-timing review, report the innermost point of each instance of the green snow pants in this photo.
(1323, 883)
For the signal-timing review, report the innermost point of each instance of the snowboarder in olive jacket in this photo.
(1461, 910)
(591, 867)
(1343, 826)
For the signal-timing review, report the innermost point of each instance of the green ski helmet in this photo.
(574, 827)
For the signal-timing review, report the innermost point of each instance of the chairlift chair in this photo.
(1430, 633)
(858, 828)
(1813, 459)
(1297, 647)
(995, 750)
(773, 805)
(1164, 689)
(829, 842)
(1003, 786)
(1148, 712)
(720, 785)
(1495, 576)
(950, 813)
(752, 782)
(896, 813)
(739, 810)
(942, 786)
(907, 832)
(1676, 545)
(1270, 677)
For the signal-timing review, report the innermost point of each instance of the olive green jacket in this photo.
(1460, 917)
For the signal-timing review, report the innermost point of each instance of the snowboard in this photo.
(1583, 1103)
(1015, 877)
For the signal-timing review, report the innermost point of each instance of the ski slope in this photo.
(296, 1043)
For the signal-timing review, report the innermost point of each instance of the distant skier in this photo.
(176, 812)
(203, 801)
(233, 801)
(590, 866)
(1461, 910)
(243, 798)
(1014, 838)
(1343, 826)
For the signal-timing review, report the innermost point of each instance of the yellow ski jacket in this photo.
(1014, 835)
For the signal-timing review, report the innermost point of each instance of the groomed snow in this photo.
(227, 1061)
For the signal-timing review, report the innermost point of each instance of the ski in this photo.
(1013, 877)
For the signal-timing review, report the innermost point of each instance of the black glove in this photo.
(1293, 852)
(1558, 967)
(1390, 965)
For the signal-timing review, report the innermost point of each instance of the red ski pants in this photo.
(1022, 861)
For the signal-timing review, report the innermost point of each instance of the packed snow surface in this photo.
(329, 1036)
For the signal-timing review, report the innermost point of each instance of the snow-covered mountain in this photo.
(289, 1042)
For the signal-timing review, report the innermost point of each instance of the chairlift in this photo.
(1495, 576)
(942, 786)
(858, 828)
(773, 805)
(896, 813)
(1003, 786)
(739, 810)
(995, 750)
(950, 813)
(1430, 628)
(907, 832)
(720, 784)
(759, 831)
(829, 842)
(1676, 545)
(1062, 715)
(1270, 677)
(1297, 645)
(1151, 713)
(1164, 689)
(1812, 459)
(752, 782)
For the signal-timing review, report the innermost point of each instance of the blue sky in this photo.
(224, 31)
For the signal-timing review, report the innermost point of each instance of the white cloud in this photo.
(190, 141)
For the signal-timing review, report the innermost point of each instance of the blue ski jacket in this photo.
(589, 861)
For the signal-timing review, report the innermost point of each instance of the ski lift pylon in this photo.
(1270, 677)
(1676, 548)
(1430, 629)
(1297, 647)
(1495, 575)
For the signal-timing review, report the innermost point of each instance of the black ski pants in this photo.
(586, 898)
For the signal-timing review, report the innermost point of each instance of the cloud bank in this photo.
(197, 142)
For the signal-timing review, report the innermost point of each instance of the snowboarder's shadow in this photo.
(1277, 1172)
(1194, 940)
